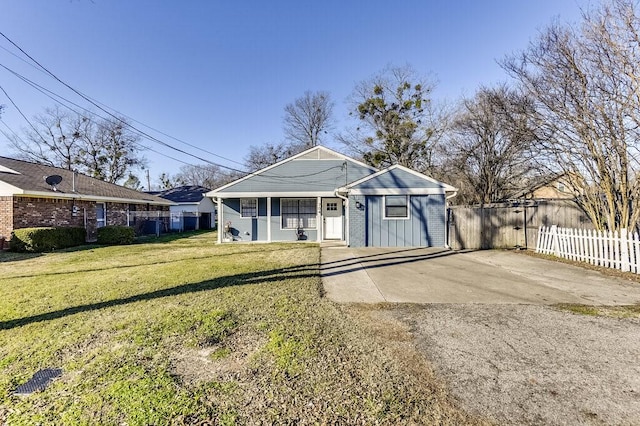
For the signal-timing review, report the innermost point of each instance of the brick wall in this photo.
(25, 212)
(117, 214)
(6, 216)
(35, 212)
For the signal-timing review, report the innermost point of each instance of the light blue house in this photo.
(321, 195)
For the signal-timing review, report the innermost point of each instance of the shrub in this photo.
(46, 239)
(116, 235)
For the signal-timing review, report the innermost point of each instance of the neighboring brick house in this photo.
(27, 200)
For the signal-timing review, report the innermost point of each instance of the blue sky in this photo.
(218, 74)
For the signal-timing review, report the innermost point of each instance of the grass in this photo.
(184, 331)
(622, 311)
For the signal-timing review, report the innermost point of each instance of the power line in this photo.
(123, 122)
(22, 114)
(103, 104)
(119, 119)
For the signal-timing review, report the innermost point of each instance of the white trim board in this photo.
(397, 191)
(297, 194)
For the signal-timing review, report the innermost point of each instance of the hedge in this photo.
(116, 235)
(46, 239)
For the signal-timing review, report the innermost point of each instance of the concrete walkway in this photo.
(435, 275)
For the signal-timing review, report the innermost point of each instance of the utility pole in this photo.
(148, 181)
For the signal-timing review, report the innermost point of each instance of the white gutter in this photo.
(219, 219)
(446, 215)
(346, 216)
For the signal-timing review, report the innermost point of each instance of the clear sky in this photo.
(218, 74)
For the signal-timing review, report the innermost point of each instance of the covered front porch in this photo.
(282, 217)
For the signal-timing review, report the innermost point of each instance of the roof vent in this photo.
(53, 181)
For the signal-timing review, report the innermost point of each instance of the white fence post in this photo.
(554, 240)
(624, 250)
(611, 249)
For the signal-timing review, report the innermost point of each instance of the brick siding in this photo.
(26, 212)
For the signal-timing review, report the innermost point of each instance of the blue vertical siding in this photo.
(424, 228)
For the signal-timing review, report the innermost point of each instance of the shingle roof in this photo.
(183, 194)
(30, 179)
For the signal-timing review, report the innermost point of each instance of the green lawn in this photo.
(181, 331)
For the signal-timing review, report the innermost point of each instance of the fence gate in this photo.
(485, 227)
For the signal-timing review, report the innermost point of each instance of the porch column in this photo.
(220, 220)
(269, 219)
(320, 226)
(346, 220)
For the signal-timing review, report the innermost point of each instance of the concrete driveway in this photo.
(432, 275)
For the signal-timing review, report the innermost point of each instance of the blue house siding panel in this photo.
(396, 178)
(302, 176)
(255, 229)
(424, 228)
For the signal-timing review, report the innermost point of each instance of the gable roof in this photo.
(318, 170)
(397, 179)
(183, 194)
(19, 177)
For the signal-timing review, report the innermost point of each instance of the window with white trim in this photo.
(396, 206)
(298, 213)
(248, 207)
(101, 214)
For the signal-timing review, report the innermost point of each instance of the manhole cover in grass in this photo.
(39, 381)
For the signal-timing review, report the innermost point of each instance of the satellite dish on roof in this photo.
(53, 180)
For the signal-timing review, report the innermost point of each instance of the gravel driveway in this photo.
(531, 364)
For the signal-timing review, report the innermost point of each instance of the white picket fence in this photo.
(618, 249)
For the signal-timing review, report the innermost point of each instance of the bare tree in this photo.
(167, 181)
(53, 140)
(488, 149)
(207, 175)
(308, 118)
(585, 82)
(397, 122)
(109, 150)
(265, 155)
(103, 148)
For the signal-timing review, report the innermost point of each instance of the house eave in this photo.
(288, 194)
(97, 198)
(394, 191)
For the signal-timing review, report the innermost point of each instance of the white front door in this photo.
(332, 218)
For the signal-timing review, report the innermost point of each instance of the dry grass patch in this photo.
(623, 311)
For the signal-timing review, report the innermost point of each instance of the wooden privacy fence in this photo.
(510, 224)
(618, 249)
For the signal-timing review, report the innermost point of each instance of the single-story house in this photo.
(192, 210)
(320, 194)
(35, 195)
